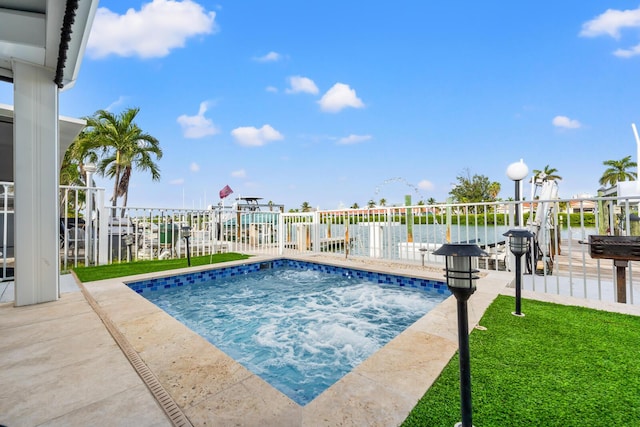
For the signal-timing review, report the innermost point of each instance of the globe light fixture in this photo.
(517, 172)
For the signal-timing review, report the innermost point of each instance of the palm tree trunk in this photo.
(123, 188)
(114, 199)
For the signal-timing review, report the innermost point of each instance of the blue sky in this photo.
(333, 102)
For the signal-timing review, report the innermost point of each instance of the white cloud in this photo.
(425, 185)
(340, 96)
(253, 137)
(197, 126)
(178, 181)
(301, 84)
(269, 57)
(115, 103)
(150, 32)
(611, 22)
(565, 122)
(240, 173)
(194, 167)
(272, 89)
(354, 139)
(627, 53)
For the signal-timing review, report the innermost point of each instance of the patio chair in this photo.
(498, 254)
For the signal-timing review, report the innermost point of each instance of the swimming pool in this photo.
(300, 326)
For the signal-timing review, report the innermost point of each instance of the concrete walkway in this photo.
(60, 367)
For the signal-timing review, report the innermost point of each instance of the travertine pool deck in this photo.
(60, 366)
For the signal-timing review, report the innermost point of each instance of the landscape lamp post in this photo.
(459, 271)
(517, 172)
(90, 169)
(186, 233)
(128, 240)
(519, 245)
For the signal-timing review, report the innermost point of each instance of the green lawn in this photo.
(557, 366)
(89, 274)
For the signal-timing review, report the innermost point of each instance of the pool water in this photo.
(300, 330)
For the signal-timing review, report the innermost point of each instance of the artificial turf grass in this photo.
(100, 272)
(557, 366)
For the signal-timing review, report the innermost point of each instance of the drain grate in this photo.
(164, 399)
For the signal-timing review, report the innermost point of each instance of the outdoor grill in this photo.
(625, 248)
(620, 249)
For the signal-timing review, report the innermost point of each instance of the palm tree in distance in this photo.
(494, 190)
(547, 174)
(383, 202)
(355, 206)
(431, 201)
(306, 207)
(618, 170)
(123, 146)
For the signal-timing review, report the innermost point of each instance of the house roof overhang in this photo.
(69, 128)
(48, 33)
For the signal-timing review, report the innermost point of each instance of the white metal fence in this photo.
(6, 230)
(92, 233)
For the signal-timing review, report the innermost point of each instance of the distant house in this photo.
(582, 206)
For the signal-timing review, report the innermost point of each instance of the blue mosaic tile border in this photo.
(160, 283)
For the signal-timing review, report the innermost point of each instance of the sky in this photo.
(336, 102)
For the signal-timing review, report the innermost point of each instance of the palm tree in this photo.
(547, 174)
(306, 207)
(371, 204)
(383, 202)
(73, 173)
(618, 171)
(355, 206)
(431, 201)
(123, 146)
(79, 153)
(494, 190)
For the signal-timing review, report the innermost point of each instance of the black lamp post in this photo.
(460, 276)
(186, 233)
(519, 245)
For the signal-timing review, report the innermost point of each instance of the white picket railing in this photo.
(402, 234)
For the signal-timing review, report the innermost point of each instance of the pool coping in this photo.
(212, 388)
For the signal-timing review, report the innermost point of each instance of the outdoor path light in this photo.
(460, 274)
(517, 172)
(519, 245)
(90, 169)
(128, 240)
(186, 233)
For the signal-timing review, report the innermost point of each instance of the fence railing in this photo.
(92, 233)
(6, 230)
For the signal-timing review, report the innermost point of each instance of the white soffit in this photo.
(30, 31)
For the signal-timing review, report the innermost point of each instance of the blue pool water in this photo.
(298, 328)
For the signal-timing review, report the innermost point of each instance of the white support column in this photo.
(36, 169)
